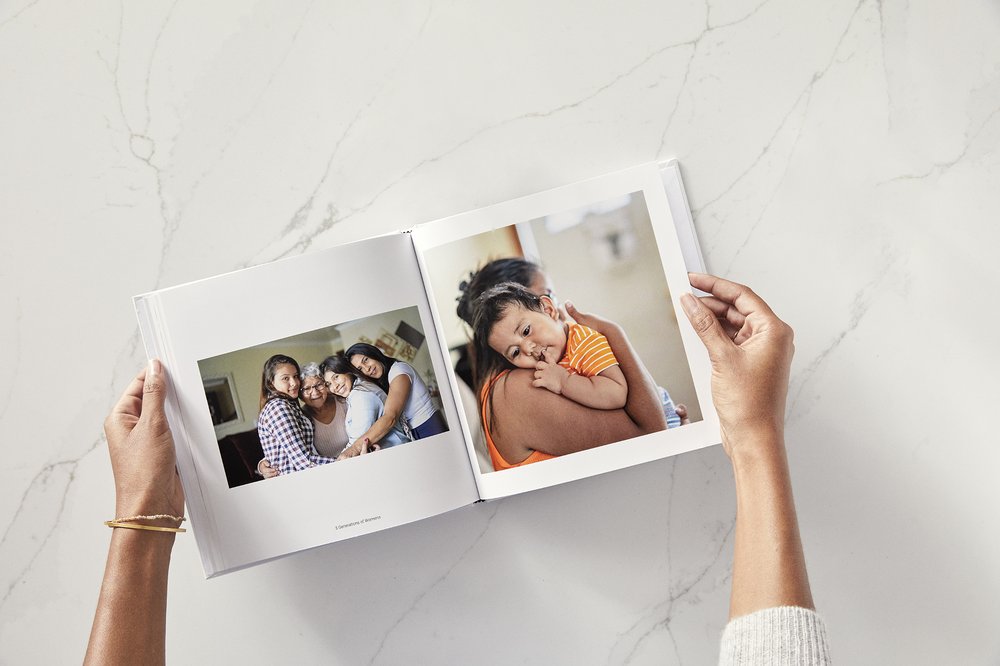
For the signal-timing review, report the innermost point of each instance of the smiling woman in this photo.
(327, 411)
(408, 396)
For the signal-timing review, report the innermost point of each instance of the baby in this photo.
(515, 328)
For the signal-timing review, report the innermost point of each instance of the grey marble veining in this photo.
(840, 157)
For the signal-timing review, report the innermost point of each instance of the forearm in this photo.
(298, 457)
(130, 622)
(379, 429)
(597, 392)
(643, 401)
(768, 563)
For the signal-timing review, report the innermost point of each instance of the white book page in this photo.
(610, 246)
(215, 332)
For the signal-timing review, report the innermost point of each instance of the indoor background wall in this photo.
(245, 367)
(630, 291)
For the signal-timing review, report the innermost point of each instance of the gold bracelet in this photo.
(155, 516)
(140, 526)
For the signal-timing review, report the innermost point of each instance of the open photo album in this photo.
(511, 348)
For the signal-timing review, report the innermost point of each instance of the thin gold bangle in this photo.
(139, 526)
(155, 516)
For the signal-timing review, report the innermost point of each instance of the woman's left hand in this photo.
(142, 449)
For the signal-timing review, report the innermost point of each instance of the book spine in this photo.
(452, 379)
(156, 341)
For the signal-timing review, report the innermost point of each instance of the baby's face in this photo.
(524, 337)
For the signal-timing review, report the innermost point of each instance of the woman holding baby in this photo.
(595, 389)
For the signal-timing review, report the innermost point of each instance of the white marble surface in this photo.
(841, 157)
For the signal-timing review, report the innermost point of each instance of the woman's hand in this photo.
(265, 470)
(142, 449)
(130, 622)
(751, 351)
(605, 327)
(359, 447)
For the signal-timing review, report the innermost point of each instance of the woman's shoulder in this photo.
(362, 400)
(276, 407)
(497, 384)
(401, 368)
(363, 387)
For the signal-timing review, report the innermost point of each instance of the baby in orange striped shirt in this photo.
(515, 328)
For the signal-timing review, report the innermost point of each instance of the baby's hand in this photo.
(550, 376)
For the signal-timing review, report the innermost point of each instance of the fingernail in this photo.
(152, 368)
(690, 305)
(569, 304)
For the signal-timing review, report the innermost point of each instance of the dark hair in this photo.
(489, 308)
(509, 269)
(485, 363)
(375, 354)
(267, 390)
(339, 365)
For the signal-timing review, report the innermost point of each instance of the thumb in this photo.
(154, 391)
(577, 317)
(706, 326)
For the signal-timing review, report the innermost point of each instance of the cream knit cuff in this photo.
(784, 636)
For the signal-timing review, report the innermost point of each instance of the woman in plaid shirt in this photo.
(286, 433)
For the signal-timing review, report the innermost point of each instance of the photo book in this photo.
(511, 348)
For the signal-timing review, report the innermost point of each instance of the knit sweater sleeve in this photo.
(785, 636)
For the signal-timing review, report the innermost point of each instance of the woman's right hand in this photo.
(359, 447)
(265, 470)
(751, 352)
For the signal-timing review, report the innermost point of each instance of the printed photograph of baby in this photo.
(323, 396)
(562, 333)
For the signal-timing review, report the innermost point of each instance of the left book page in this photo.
(215, 338)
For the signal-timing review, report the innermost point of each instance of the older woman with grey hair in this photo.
(327, 412)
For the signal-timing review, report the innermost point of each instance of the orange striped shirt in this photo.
(587, 352)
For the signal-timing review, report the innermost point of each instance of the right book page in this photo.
(498, 279)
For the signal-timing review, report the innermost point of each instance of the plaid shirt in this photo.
(286, 434)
